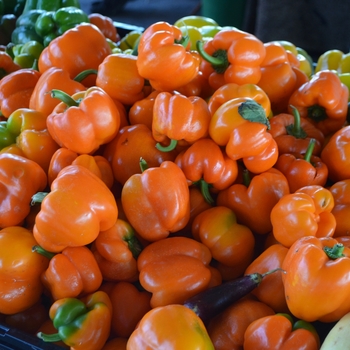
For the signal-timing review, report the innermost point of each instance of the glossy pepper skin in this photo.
(11, 96)
(85, 205)
(179, 118)
(72, 273)
(156, 202)
(7, 65)
(163, 60)
(280, 332)
(187, 331)
(76, 43)
(76, 124)
(21, 284)
(105, 25)
(54, 78)
(81, 323)
(119, 77)
(20, 179)
(306, 212)
(323, 100)
(241, 126)
(232, 56)
(311, 265)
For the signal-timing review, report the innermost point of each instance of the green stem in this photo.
(82, 75)
(317, 113)
(253, 112)
(335, 252)
(143, 165)
(49, 338)
(183, 41)
(219, 60)
(246, 177)
(204, 187)
(38, 197)
(309, 150)
(64, 97)
(169, 148)
(43, 252)
(295, 129)
(273, 271)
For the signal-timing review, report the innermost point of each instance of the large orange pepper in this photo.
(78, 125)
(174, 269)
(280, 332)
(82, 47)
(20, 179)
(293, 133)
(76, 209)
(72, 273)
(306, 212)
(231, 90)
(7, 65)
(322, 100)
(116, 251)
(179, 119)
(336, 155)
(106, 25)
(130, 144)
(256, 195)
(53, 78)
(16, 89)
(187, 330)
(312, 265)
(163, 58)
(232, 56)
(156, 202)
(20, 270)
(227, 329)
(241, 126)
(270, 291)
(205, 163)
(119, 77)
(230, 243)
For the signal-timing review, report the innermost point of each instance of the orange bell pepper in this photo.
(156, 202)
(97, 164)
(81, 323)
(336, 155)
(322, 100)
(231, 90)
(84, 210)
(232, 56)
(78, 125)
(303, 169)
(293, 133)
(119, 77)
(105, 25)
(204, 163)
(270, 291)
(312, 265)
(240, 125)
(77, 49)
(53, 78)
(116, 251)
(16, 89)
(72, 273)
(130, 144)
(163, 58)
(256, 195)
(281, 332)
(20, 179)
(306, 212)
(7, 65)
(230, 243)
(174, 269)
(187, 330)
(227, 329)
(21, 285)
(179, 119)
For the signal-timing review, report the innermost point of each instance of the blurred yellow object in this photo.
(334, 60)
(129, 41)
(193, 33)
(196, 21)
(288, 46)
(305, 65)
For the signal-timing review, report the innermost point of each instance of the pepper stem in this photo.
(309, 150)
(64, 97)
(246, 177)
(295, 129)
(204, 187)
(43, 252)
(219, 59)
(273, 271)
(143, 165)
(49, 338)
(317, 113)
(334, 252)
(82, 75)
(38, 197)
(169, 148)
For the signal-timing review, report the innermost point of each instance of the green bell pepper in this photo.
(6, 137)
(7, 26)
(26, 55)
(49, 5)
(51, 24)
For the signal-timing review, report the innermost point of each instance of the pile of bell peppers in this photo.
(133, 180)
